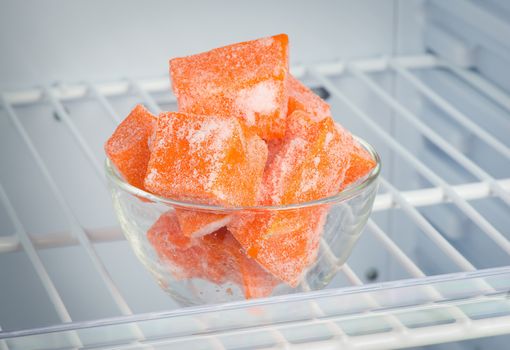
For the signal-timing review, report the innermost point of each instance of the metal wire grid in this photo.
(408, 201)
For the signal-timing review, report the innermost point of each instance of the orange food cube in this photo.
(197, 224)
(205, 159)
(361, 164)
(224, 250)
(301, 98)
(217, 257)
(311, 163)
(164, 235)
(256, 282)
(187, 258)
(247, 80)
(128, 147)
(167, 229)
(283, 243)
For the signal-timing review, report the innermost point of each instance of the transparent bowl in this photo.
(340, 219)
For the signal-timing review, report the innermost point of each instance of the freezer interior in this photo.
(426, 82)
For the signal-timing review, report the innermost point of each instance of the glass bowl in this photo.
(187, 274)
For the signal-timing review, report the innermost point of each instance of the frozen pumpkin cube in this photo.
(284, 159)
(223, 250)
(301, 98)
(197, 224)
(256, 282)
(205, 159)
(128, 147)
(167, 232)
(217, 257)
(246, 80)
(311, 163)
(284, 243)
(187, 258)
(361, 163)
(174, 248)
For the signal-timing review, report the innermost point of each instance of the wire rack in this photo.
(366, 301)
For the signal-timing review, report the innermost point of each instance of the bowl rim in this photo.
(352, 190)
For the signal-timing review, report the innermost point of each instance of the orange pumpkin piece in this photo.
(167, 232)
(205, 159)
(301, 98)
(128, 147)
(256, 282)
(247, 80)
(217, 257)
(311, 163)
(283, 243)
(197, 224)
(164, 235)
(361, 163)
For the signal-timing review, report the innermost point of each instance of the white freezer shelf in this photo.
(60, 100)
(432, 310)
(384, 201)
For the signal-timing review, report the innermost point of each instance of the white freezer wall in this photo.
(50, 41)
